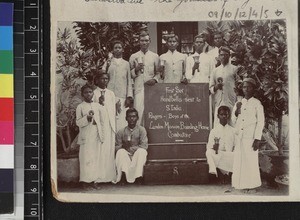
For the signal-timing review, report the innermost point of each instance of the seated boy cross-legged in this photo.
(220, 146)
(131, 147)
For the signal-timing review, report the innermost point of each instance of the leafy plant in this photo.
(68, 83)
(97, 38)
(261, 48)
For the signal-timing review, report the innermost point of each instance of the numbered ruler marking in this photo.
(32, 164)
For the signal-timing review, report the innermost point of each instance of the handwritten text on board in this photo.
(177, 113)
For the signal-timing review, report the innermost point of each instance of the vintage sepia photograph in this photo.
(172, 109)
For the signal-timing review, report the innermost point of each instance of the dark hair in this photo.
(131, 110)
(201, 35)
(173, 36)
(144, 34)
(117, 42)
(218, 33)
(225, 49)
(131, 102)
(99, 75)
(224, 108)
(85, 87)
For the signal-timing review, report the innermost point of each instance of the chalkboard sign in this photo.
(177, 113)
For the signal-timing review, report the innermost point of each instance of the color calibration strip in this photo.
(6, 110)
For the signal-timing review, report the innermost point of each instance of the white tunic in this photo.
(249, 126)
(91, 135)
(106, 163)
(227, 95)
(120, 83)
(206, 67)
(174, 66)
(214, 54)
(224, 159)
(149, 72)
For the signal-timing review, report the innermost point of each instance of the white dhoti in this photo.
(132, 167)
(246, 173)
(223, 160)
(106, 156)
(139, 106)
(88, 156)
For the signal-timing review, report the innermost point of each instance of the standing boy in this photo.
(199, 65)
(218, 43)
(89, 119)
(222, 83)
(173, 62)
(106, 98)
(120, 81)
(249, 119)
(143, 64)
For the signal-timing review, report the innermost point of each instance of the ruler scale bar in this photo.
(32, 124)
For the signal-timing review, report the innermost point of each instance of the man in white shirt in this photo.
(222, 83)
(120, 81)
(172, 63)
(214, 53)
(143, 65)
(199, 65)
(106, 98)
(220, 146)
(248, 116)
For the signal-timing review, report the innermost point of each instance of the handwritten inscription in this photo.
(181, 2)
(239, 13)
(178, 112)
(242, 9)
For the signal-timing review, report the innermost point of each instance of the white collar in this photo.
(173, 53)
(221, 126)
(247, 100)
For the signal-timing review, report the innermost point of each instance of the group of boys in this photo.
(233, 150)
(115, 94)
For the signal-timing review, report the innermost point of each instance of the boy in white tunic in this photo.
(120, 81)
(106, 98)
(172, 63)
(199, 65)
(89, 119)
(214, 53)
(249, 119)
(222, 83)
(144, 66)
(131, 147)
(220, 146)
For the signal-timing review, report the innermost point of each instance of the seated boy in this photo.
(220, 145)
(131, 147)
